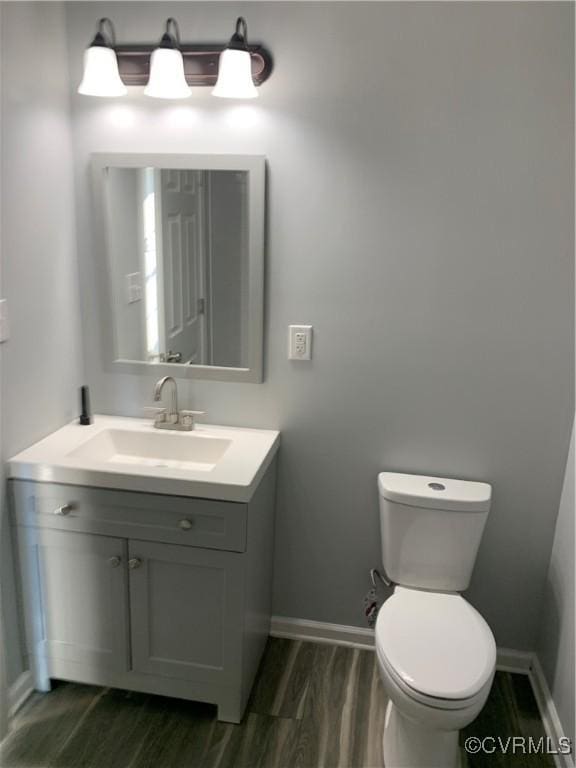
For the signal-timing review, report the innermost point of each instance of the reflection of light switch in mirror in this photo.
(133, 287)
(300, 342)
(3, 320)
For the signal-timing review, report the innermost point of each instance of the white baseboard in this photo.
(508, 660)
(548, 711)
(511, 660)
(322, 632)
(19, 691)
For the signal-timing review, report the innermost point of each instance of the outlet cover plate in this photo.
(300, 342)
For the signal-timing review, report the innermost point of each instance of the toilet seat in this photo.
(437, 648)
(430, 702)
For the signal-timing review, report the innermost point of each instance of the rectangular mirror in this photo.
(185, 266)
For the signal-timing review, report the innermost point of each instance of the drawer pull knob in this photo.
(114, 562)
(65, 509)
(185, 524)
(134, 562)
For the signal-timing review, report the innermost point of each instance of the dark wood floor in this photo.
(313, 706)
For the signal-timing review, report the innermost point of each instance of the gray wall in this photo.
(40, 362)
(556, 644)
(420, 216)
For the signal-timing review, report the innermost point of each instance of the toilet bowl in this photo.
(436, 654)
(436, 657)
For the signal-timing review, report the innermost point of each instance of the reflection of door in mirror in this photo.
(181, 210)
(178, 241)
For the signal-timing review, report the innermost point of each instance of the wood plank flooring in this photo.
(313, 706)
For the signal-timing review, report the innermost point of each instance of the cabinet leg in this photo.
(231, 709)
(43, 685)
(40, 676)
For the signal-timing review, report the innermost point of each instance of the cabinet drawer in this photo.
(146, 516)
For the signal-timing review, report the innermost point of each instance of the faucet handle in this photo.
(159, 414)
(187, 417)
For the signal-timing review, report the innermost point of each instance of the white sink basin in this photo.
(211, 462)
(176, 450)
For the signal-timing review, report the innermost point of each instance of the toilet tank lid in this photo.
(435, 492)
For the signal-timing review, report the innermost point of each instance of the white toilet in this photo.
(435, 652)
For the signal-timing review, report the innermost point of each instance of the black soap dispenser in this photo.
(86, 414)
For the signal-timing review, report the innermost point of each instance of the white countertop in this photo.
(234, 477)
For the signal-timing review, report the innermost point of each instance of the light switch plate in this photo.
(300, 342)
(133, 287)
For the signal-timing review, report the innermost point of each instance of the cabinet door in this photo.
(82, 586)
(186, 607)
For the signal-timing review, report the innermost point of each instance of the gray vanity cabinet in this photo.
(160, 594)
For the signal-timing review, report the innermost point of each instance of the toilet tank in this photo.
(431, 529)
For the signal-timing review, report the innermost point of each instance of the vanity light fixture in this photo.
(235, 67)
(171, 67)
(101, 76)
(167, 80)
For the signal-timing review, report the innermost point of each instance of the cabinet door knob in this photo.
(134, 562)
(114, 561)
(185, 524)
(65, 509)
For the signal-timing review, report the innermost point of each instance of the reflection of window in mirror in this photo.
(150, 264)
(179, 247)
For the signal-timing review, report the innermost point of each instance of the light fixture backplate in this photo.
(200, 63)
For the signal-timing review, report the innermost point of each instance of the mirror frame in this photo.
(255, 166)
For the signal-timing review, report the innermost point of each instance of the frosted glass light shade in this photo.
(235, 76)
(167, 79)
(101, 76)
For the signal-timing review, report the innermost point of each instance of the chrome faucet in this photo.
(171, 417)
(172, 411)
